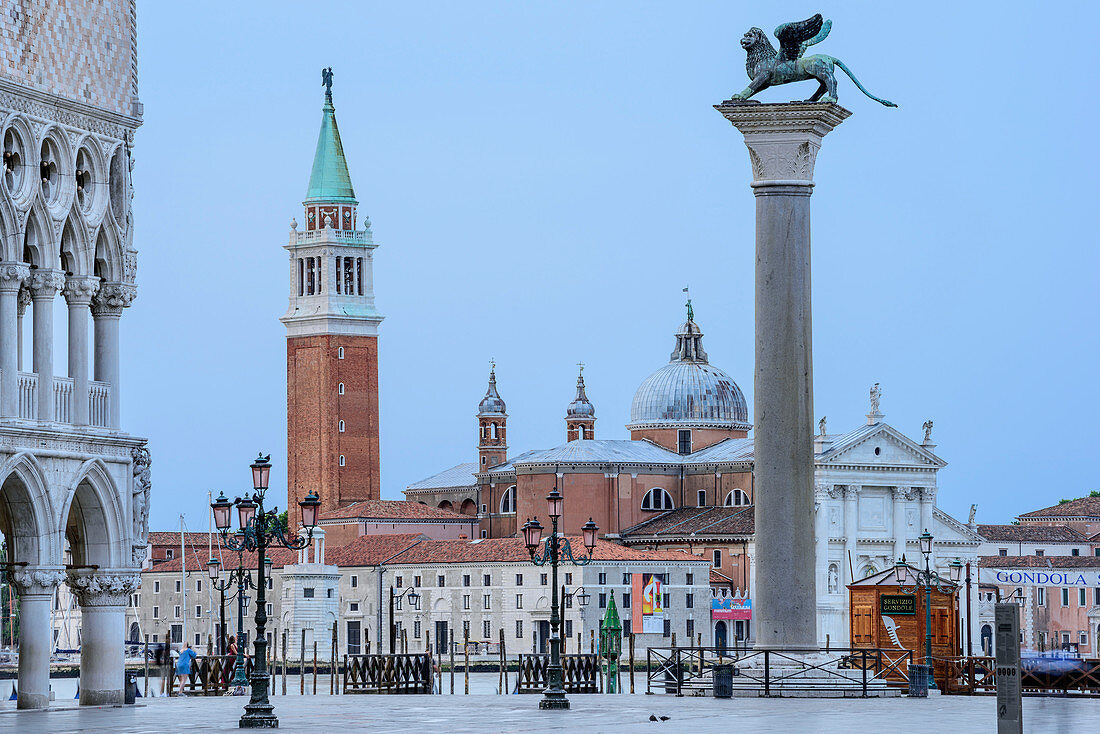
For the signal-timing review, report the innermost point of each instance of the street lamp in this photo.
(260, 529)
(240, 578)
(414, 598)
(555, 549)
(927, 579)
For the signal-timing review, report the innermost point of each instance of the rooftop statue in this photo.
(768, 68)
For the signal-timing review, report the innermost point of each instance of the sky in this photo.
(545, 178)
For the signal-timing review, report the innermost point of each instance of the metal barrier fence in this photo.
(210, 675)
(970, 676)
(410, 673)
(578, 673)
(775, 672)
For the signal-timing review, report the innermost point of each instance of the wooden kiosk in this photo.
(882, 615)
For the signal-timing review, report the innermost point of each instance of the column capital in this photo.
(902, 493)
(36, 579)
(783, 139)
(24, 299)
(45, 283)
(80, 289)
(103, 589)
(852, 491)
(12, 275)
(112, 298)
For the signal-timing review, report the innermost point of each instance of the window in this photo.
(1065, 638)
(1075, 551)
(701, 498)
(270, 583)
(626, 579)
(170, 554)
(341, 460)
(519, 579)
(1083, 638)
(1002, 551)
(485, 533)
(519, 601)
(328, 593)
(269, 612)
(483, 510)
(397, 602)
(1065, 597)
(156, 587)
(717, 559)
(667, 632)
(198, 639)
(1041, 596)
(690, 579)
(440, 580)
(689, 601)
(308, 592)
(690, 629)
(465, 579)
(603, 601)
(737, 498)
(486, 630)
(485, 601)
(416, 629)
(177, 586)
(339, 353)
(569, 601)
(198, 585)
(353, 606)
(568, 628)
(1096, 596)
(508, 502)
(543, 579)
(156, 611)
(602, 579)
(354, 581)
(568, 578)
(340, 389)
(1096, 551)
(486, 580)
(198, 610)
(416, 581)
(626, 601)
(341, 426)
(519, 629)
(465, 601)
(156, 638)
(667, 600)
(176, 611)
(657, 499)
(1039, 552)
(466, 628)
(1082, 598)
(683, 441)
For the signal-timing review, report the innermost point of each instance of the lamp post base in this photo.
(554, 701)
(259, 716)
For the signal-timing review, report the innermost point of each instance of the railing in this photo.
(969, 676)
(28, 396)
(63, 399)
(410, 673)
(777, 672)
(210, 675)
(99, 399)
(352, 236)
(578, 673)
(99, 403)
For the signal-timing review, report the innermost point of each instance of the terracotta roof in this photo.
(512, 550)
(1038, 562)
(370, 550)
(1095, 538)
(698, 521)
(396, 510)
(172, 538)
(719, 578)
(196, 562)
(1030, 533)
(1081, 507)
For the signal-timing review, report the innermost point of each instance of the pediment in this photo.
(882, 445)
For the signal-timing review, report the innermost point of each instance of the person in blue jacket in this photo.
(183, 666)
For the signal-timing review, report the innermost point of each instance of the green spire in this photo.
(329, 181)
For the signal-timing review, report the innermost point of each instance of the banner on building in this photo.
(647, 602)
(730, 608)
(1070, 577)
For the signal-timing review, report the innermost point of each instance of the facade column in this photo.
(851, 531)
(24, 302)
(44, 285)
(78, 294)
(901, 496)
(927, 503)
(783, 140)
(821, 536)
(107, 307)
(103, 599)
(12, 276)
(36, 587)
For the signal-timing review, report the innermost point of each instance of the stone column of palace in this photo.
(78, 295)
(44, 285)
(12, 276)
(36, 587)
(900, 495)
(103, 598)
(107, 308)
(783, 140)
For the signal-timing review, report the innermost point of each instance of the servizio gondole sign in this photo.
(1036, 577)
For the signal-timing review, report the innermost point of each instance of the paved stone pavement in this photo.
(446, 714)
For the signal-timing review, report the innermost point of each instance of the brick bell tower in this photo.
(331, 338)
(492, 426)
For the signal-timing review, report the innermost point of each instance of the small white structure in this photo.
(311, 599)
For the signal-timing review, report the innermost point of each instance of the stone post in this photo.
(44, 285)
(12, 276)
(783, 140)
(36, 588)
(78, 295)
(103, 598)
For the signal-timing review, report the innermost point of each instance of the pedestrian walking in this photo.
(183, 666)
(231, 661)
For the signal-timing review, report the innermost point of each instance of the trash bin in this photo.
(918, 681)
(723, 681)
(131, 688)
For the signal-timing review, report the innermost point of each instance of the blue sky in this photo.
(544, 178)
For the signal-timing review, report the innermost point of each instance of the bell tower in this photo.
(580, 417)
(492, 422)
(332, 337)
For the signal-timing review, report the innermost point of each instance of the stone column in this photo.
(103, 598)
(107, 307)
(783, 140)
(24, 303)
(821, 535)
(36, 587)
(78, 294)
(927, 503)
(44, 285)
(12, 276)
(851, 531)
(901, 496)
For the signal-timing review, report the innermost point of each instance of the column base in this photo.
(32, 701)
(259, 716)
(554, 702)
(108, 697)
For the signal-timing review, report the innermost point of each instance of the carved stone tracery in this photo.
(95, 590)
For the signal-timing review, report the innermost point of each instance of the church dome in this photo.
(689, 391)
(581, 407)
(492, 403)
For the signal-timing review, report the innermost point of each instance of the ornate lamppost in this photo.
(261, 529)
(927, 579)
(414, 599)
(242, 579)
(555, 550)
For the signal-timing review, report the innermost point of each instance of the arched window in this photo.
(339, 352)
(341, 459)
(492, 430)
(737, 498)
(341, 426)
(657, 499)
(340, 389)
(580, 432)
(508, 501)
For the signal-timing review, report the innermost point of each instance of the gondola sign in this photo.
(897, 604)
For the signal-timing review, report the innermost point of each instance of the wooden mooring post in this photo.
(284, 661)
(466, 660)
(302, 665)
(315, 667)
(632, 662)
(452, 651)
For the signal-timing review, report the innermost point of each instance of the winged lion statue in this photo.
(767, 67)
